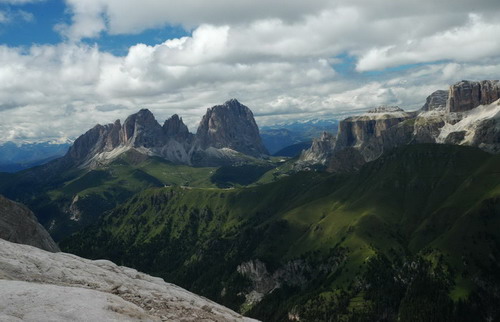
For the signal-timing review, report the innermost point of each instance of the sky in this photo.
(66, 65)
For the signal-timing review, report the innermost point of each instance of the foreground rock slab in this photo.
(36, 285)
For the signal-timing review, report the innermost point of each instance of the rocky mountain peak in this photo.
(466, 95)
(142, 129)
(97, 139)
(174, 127)
(230, 125)
(435, 101)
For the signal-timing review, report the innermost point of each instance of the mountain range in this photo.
(467, 114)
(398, 220)
(17, 157)
(227, 134)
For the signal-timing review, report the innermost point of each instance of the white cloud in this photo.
(275, 58)
(11, 16)
(475, 40)
(131, 16)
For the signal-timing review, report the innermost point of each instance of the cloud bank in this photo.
(289, 60)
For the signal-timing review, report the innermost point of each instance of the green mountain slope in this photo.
(70, 199)
(412, 236)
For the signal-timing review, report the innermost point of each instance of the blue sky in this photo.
(42, 30)
(74, 63)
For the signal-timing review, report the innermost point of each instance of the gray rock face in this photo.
(232, 126)
(435, 101)
(175, 128)
(427, 128)
(320, 150)
(295, 273)
(487, 135)
(357, 130)
(466, 115)
(225, 131)
(99, 138)
(397, 135)
(40, 286)
(19, 225)
(466, 95)
(142, 130)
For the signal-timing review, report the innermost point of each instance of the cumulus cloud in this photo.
(279, 59)
(475, 40)
(130, 16)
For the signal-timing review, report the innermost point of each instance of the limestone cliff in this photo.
(468, 114)
(466, 95)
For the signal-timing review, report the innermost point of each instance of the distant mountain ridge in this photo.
(15, 157)
(280, 136)
(467, 114)
(227, 134)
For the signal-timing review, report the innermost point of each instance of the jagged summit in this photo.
(142, 129)
(230, 125)
(225, 131)
(174, 127)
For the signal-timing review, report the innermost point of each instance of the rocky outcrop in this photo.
(294, 273)
(466, 95)
(436, 101)
(320, 150)
(231, 126)
(40, 286)
(19, 225)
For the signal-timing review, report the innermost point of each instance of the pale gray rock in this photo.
(36, 285)
(19, 225)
